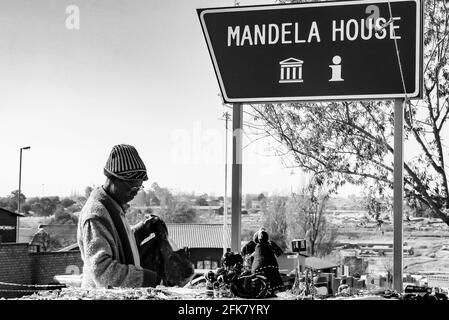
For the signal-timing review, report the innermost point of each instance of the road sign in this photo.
(343, 50)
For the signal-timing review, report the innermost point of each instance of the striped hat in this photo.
(124, 163)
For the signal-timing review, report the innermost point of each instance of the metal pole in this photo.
(398, 186)
(225, 203)
(18, 196)
(236, 222)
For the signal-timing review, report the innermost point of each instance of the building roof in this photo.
(2, 210)
(319, 264)
(195, 235)
(192, 235)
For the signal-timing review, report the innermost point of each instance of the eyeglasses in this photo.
(132, 188)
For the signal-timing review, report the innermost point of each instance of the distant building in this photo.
(205, 242)
(289, 261)
(255, 204)
(8, 225)
(214, 202)
(209, 209)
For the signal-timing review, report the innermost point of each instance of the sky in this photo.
(135, 72)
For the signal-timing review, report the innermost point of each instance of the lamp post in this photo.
(18, 195)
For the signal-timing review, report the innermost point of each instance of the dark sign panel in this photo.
(343, 50)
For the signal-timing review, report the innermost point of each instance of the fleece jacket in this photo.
(105, 248)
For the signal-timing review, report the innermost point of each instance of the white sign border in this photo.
(316, 98)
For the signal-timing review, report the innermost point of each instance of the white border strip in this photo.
(418, 41)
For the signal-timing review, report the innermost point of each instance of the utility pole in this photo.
(18, 195)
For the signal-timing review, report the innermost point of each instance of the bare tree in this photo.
(319, 234)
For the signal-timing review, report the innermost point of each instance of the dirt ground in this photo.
(430, 248)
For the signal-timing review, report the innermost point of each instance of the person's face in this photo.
(125, 191)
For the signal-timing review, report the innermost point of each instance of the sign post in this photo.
(237, 147)
(398, 185)
(321, 51)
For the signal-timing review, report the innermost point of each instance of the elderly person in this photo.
(108, 245)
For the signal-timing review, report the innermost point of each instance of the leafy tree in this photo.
(164, 195)
(80, 200)
(260, 197)
(67, 202)
(76, 207)
(377, 204)
(201, 201)
(10, 202)
(62, 216)
(180, 213)
(172, 209)
(45, 206)
(353, 141)
(155, 201)
(25, 208)
(7, 204)
(151, 199)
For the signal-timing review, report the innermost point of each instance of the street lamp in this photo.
(18, 195)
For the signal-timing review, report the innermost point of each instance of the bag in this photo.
(173, 267)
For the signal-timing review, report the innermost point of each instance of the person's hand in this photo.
(153, 224)
(156, 225)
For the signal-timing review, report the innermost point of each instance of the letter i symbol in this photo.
(336, 69)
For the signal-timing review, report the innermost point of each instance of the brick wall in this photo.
(15, 263)
(49, 264)
(18, 265)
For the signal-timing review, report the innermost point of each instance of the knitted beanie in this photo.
(125, 163)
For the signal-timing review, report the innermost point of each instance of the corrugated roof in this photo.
(10, 212)
(192, 235)
(195, 235)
